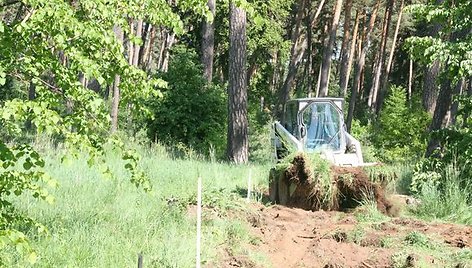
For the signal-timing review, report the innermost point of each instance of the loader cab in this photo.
(316, 122)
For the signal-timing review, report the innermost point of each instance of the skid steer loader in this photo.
(312, 126)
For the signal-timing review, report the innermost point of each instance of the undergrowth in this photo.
(100, 221)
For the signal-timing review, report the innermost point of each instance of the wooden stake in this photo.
(140, 260)
(199, 220)
(249, 186)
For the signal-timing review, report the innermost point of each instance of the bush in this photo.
(400, 133)
(191, 111)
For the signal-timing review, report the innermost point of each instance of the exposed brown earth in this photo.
(293, 237)
(348, 187)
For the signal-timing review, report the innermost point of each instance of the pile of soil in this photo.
(347, 188)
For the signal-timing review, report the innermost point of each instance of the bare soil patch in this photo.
(294, 237)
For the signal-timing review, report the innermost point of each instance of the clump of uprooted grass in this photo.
(322, 186)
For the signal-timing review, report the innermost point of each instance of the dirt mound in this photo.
(354, 186)
(299, 172)
(339, 188)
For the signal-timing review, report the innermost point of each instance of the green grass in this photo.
(450, 201)
(98, 222)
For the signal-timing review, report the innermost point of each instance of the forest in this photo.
(105, 101)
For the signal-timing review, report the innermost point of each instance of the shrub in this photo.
(400, 132)
(191, 111)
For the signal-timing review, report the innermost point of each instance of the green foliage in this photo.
(418, 239)
(452, 47)
(368, 212)
(260, 146)
(444, 194)
(443, 180)
(357, 235)
(400, 133)
(190, 112)
(46, 47)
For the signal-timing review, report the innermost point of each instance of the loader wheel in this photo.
(283, 188)
(273, 189)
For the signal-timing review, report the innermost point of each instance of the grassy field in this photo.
(107, 222)
(99, 222)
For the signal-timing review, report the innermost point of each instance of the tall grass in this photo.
(99, 222)
(449, 200)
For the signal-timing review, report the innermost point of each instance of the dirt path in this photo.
(292, 237)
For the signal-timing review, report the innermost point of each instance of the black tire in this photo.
(284, 191)
(273, 189)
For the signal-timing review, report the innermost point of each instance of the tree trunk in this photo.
(130, 44)
(309, 57)
(208, 44)
(343, 75)
(139, 33)
(466, 114)
(430, 86)
(351, 56)
(328, 50)
(452, 115)
(145, 37)
(237, 139)
(167, 45)
(116, 90)
(392, 49)
(296, 52)
(147, 50)
(410, 81)
(375, 94)
(440, 114)
(360, 65)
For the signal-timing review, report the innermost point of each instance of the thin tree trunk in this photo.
(139, 33)
(328, 50)
(392, 52)
(343, 75)
(145, 37)
(375, 94)
(360, 65)
(130, 44)
(116, 90)
(208, 44)
(251, 72)
(317, 94)
(459, 89)
(296, 52)
(309, 57)
(410, 81)
(169, 42)
(237, 139)
(395, 37)
(344, 79)
(147, 51)
(273, 82)
(466, 114)
(162, 42)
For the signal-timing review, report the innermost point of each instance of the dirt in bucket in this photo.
(347, 188)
